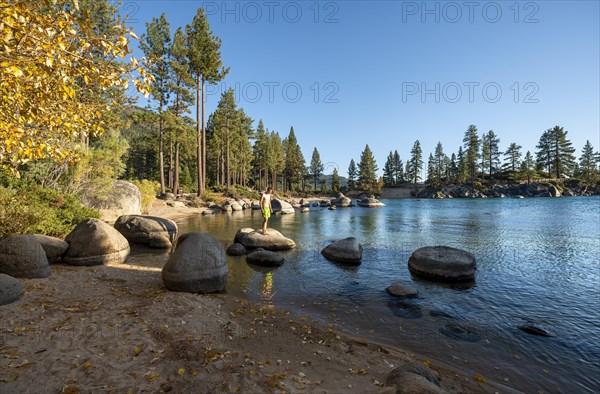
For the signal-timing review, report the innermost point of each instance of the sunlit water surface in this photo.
(538, 262)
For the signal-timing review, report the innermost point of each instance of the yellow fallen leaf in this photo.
(194, 373)
(479, 378)
(87, 365)
(137, 350)
(427, 363)
(152, 378)
(181, 371)
(517, 357)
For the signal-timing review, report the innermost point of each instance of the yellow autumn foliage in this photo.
(49, 65)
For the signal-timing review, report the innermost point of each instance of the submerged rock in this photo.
(22, 256)
(533, 330)
(10, 289)
(402, 290)
(253, 239)
(405, 310)
(153, 231)
(54, 247)
(442, 263)
(94, 242)
(460, 332)
(265, 258)
(236, 249)
(198, 265)
(345, 251)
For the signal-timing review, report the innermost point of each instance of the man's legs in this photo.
(264, 226)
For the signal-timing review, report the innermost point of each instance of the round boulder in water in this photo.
(236, 249)
(253, 239)
(198, 265)
(94, 242)
(345, 251)
(22, 256)
(443, 264)
(265, 258)
(147, 230)
(10, 289)
(402, 290)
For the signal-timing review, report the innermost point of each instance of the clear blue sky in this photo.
(363, 66)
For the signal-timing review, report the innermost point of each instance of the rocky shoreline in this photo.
(569, 189)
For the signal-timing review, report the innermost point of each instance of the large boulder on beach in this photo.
(414, 378)
(153, 231)
(443, 264)
(10, 289)
(345, 251)
(94, 242)
(198, 265)
(265, 258)
(22, 256)
(236, 207)
(123, 199)
(280, 206)
(253, 239)
(54, 247)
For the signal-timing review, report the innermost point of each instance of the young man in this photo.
(265, 207)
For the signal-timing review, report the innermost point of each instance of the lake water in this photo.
(537, 263)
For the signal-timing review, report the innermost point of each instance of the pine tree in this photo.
(555, 152)
(462, 166)
(471, 145)
(335, 180)
(439, 163)
(493, 152)
(156, 46)
(544, 152)
(352, 175)
(432, 178)
(367, 171)
(398, 169)
(276, 158)
(588, 164)
(316, 167)
(453, 169)
(181, 85)
(527, 171)
(294, 160)
(389, 179)
(512, 157)
(260, 148)
(205, 67)
(415, 165)
(485, 153)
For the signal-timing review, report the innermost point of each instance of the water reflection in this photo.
(537, 259)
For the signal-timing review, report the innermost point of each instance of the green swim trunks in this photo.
(266, 212)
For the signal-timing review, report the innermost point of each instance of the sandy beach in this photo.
(116, 328)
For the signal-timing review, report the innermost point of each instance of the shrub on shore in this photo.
(32, 209)
(149, 190)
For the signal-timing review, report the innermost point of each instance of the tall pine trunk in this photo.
(203, 138)
(160, 152)
(176, 169)
(171, 168)
(199, 132)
